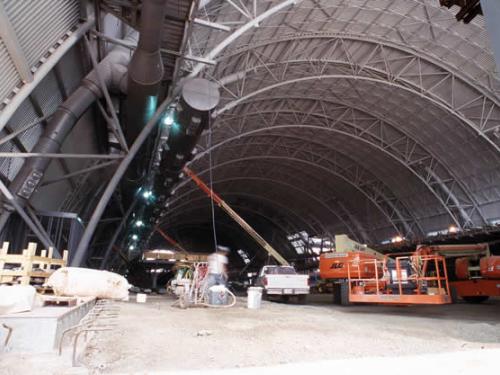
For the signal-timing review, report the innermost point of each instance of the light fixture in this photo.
(397, 239)
(135, 237)
(452, 229)
(131, 247)
(169, 119)
(139, 223)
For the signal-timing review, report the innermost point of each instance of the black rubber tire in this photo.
(453, 294)
(301, 299)
(336, 294)
(475, 299)
(344, 294)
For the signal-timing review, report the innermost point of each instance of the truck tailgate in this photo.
(287, 281)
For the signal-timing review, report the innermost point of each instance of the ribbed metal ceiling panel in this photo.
(39, 24)
(8, 72)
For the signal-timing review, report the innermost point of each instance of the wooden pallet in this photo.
(58, 300)
(28, 266)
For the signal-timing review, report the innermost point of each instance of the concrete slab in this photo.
(40, 329)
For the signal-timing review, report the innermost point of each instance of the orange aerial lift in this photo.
(363, 275)
(237, 218)
(476, 275)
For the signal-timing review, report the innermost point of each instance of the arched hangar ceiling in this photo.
(370, 117)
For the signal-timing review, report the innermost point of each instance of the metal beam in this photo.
(113, 183)
(57, 156)
(77, 173)
(214, 52)
(9, 38)
(39, 232)
(212, 25)
(132, 47)
(14, 134)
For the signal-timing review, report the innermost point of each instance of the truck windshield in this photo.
(280, 271)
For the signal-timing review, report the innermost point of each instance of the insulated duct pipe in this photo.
(112, 69)
(145, 70)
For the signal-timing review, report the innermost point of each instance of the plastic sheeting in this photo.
(85, 282)
(16, 298)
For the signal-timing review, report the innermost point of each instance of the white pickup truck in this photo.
(283, 281)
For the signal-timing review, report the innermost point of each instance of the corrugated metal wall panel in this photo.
(47, 94)
(40, 23)
(10, 166)
(25, 115)
(8, 73)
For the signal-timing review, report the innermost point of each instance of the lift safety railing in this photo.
(422, 277)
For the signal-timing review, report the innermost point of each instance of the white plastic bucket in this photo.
(254, 297)
(141, 298)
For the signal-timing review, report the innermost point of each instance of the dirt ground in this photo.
(158, 337)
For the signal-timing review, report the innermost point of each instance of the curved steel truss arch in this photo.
(481, 113)
(399, 59)
(278, 241)
(272, 176)
(281, 113)
(299, 222)
(373, 189)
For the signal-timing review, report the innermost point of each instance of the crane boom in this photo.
(170, 240)
(237, 218)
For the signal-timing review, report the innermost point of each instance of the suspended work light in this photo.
(169, 118)
(397, 239)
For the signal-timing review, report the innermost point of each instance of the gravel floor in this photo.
(156, 336)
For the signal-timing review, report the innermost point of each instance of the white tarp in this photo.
(86, 282)
(16, 298)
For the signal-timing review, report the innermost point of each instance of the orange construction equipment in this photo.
(407, 279)
(477, 272)
(363, 275)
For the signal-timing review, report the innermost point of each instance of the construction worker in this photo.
(217, 265)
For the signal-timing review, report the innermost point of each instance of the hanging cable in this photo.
(211, 178)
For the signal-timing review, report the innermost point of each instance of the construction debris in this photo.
(16, 298)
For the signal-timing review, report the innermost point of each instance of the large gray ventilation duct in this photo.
(145, 67)
(112, 69)
(145, 70)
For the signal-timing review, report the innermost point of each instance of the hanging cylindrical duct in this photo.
(198, 97)
(145, 70)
